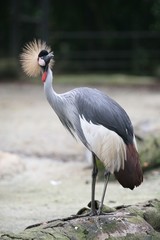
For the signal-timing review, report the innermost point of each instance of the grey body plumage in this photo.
(95, 106)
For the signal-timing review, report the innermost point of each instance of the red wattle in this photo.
(44, 75)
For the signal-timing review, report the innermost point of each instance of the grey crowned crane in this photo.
(98, 121)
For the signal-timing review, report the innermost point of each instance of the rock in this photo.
(141, 221)
(148, 139)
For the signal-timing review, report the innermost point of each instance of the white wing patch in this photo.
(108, 146)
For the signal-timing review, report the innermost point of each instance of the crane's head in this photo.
(35, 58)
(44, 58)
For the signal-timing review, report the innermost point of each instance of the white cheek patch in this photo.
(41, 62)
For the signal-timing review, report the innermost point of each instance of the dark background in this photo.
(86, 35)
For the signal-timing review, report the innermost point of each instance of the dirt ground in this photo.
(44, 172)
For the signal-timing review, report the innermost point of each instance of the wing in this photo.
(100, 109)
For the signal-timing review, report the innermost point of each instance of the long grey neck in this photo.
(52, 97)
(57, 102)
(64, 108)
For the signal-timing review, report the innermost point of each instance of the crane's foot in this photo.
(99, 210)
(86, 212)
(102, 209)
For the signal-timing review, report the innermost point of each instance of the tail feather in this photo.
(131, 176)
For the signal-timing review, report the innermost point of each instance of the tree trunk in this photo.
(141, 221)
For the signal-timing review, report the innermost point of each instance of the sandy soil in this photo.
(44, 173)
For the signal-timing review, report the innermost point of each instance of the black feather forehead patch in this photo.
(43, 53)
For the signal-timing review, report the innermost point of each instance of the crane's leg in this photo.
(106, 176)
(94, 176)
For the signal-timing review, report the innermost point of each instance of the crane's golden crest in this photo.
(29, 57)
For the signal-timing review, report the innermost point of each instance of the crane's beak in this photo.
(48, 57)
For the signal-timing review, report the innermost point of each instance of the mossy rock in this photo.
(152, 215)
(149, 150)
(139, 222)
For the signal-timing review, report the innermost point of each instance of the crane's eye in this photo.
(41, 62)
